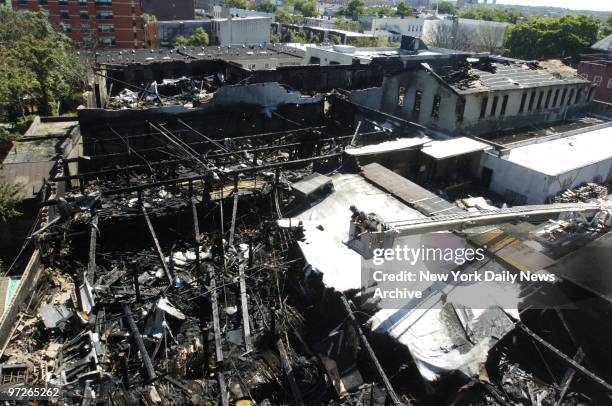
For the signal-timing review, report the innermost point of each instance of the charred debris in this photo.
(168, 280)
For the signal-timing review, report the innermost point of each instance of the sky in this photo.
(598, 5)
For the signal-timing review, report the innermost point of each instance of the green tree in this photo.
(199, 38)
(300, 37)
(404, 10)
(180, 41)
(38, 65)
(266, 6)
(235, 4)
(283, 16)
(446, 7)
(380, 11)
(306, 8)
(9, 199)
(491, 14)
(275, 38)
(607, 28)
(354, 9)
(287, 36)
(556, 37)
(346, 25)
(147, 18)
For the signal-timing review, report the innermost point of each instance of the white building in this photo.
(395, 27)
(345, 54)
(241, 30)
(533, 171)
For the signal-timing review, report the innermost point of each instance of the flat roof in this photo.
(441, 149)
(565, 154)
(188, 53)
(387, 146)
(326, 227)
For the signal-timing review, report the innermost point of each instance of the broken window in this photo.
(563, 97)
(523, 99)
(578, 96)
(540, 97)
(547, 102)
(590, 94)
(570, 97)
(483, 107)
(494, 106)
(504, 105)
(401, 96)
(460, 109)
(597, 79)
(531, 100)
(555, 98)
(417, 101)
(435, 107)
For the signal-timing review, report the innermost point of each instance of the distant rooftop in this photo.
(604, 44)
(227, 52)
(383, 52)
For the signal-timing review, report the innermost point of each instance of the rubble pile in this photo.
(584, 193)
(188, 91)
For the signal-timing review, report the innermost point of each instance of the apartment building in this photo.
(93, 23)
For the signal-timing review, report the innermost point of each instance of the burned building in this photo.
(214, 242)
(481, 95)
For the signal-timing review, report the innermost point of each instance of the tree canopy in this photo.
(266, 6)
(555, 37)
(199, 38)
(283, 16)
(404, 9)
(9, 199)
(491, 14)
(607, 27)
(306, 8)
(38, 65)
(235, 4)
(353, 9)
(446, 7)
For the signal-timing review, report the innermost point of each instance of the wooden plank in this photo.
(215, 313)
(160, 254)
(295, 390)
(246, 328)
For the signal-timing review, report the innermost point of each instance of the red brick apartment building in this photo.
(93, 23)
